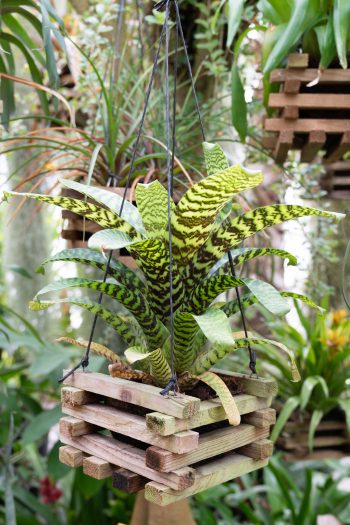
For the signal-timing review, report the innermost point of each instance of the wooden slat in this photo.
(338, 151)
(213, 473)
(147, 396)
(290, 112)
(261, 418)
(260, 387)
(269, 142)
(340, 165)
(329, 76)
(71, 426)
(209, 412)
(129, 457)
(315, 142)
(128, 481)
(71, 456)
(283, 145)
(304, 125)
(310, 101)
(133, 426)
(298, 60)
(75, 396)
(210, 444)
(261, 449)
(97, 468)
(318, 442)
(291, 85)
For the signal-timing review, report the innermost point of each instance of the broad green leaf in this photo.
(102, 216)
(40, 425)
(288, 408)
(268, 296)
(126, 326)
(238, 104)
(136, 353)
(48, 44)
(234, 18)
(276, 11)
(215, 326)
(160, 368)
(99, 349)
(117, 269)
(215, 158)
(326, 42)
(341, 21)
(134, 301)
(152, 203)
(227, 400)
(308, 387)
(110, 200)
(110, 240)
(316, 417)
(48, 362)
(198, 207)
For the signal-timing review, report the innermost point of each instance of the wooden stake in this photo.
(75, 396)
(315, 142)
(97, 468)
(128, 481)
(71, 456)
(261, 449)
(261, 418)
(71, 426)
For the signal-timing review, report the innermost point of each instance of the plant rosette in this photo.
(204, 227)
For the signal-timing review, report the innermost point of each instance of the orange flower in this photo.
(338, 316)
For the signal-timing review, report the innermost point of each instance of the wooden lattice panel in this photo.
(310, 118)
(336, 180)
(171, 446)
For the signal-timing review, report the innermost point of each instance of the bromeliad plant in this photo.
(204, 228)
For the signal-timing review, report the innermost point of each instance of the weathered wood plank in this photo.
(284, 144)
(148, 396)
(290, 112)
(210, 444)
(71, 456)
(328, 76)
(304, 125)
(338, 151)
(315, 142)
(133, 426)
(310, 101)
(75, 396)
(298, 60)
(260, 387)
(213, 473)
(128, 481)
(261, 449)
(209, 412)
(97, 468)
(71, 426)
(129, 457)
(261, 418)
(289, 443)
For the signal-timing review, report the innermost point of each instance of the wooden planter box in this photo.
(153, 445)
(77, 230)
(336, 180)
(312, 118)
(331, 439)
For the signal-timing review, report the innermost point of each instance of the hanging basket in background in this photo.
(313, 111)
(336, 180)
(153, 445)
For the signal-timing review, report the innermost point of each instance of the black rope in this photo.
(85, 360)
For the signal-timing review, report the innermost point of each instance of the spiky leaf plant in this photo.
(204, 229)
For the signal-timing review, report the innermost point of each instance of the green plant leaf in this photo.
(110, 240)
(316, 417)
(238, 104)
(40, 425)
(215, 158)
(152, 203)
(309, 385)
(234, 17)
(326, 42)
(288, 408)
(341, 21)
(227, 400)
(275, 11)
(160, 368)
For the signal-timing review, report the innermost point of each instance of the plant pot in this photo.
(331, 440)
(309, 118)
(77, 230)
(153, 445)
(336, 180)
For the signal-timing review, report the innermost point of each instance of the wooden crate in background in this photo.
(336, 180)
(309, 118)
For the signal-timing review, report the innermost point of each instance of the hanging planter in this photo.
(336, 180)
(313, 111)
(165, 458)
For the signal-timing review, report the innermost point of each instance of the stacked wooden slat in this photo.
(151, 441)
(336, 180)
(310, 117)
(77, 230)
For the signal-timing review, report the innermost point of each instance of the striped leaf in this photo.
(101, 216)
(110, 200)
(199, 206)
(160, 368)
(203, 295)
(227, 400)
(117, 269)
(242, 255)
(235, 230)
(99, 349)
(152, 203)
(134, 301)
(110, 240)
(215, 158)
(126, 326)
